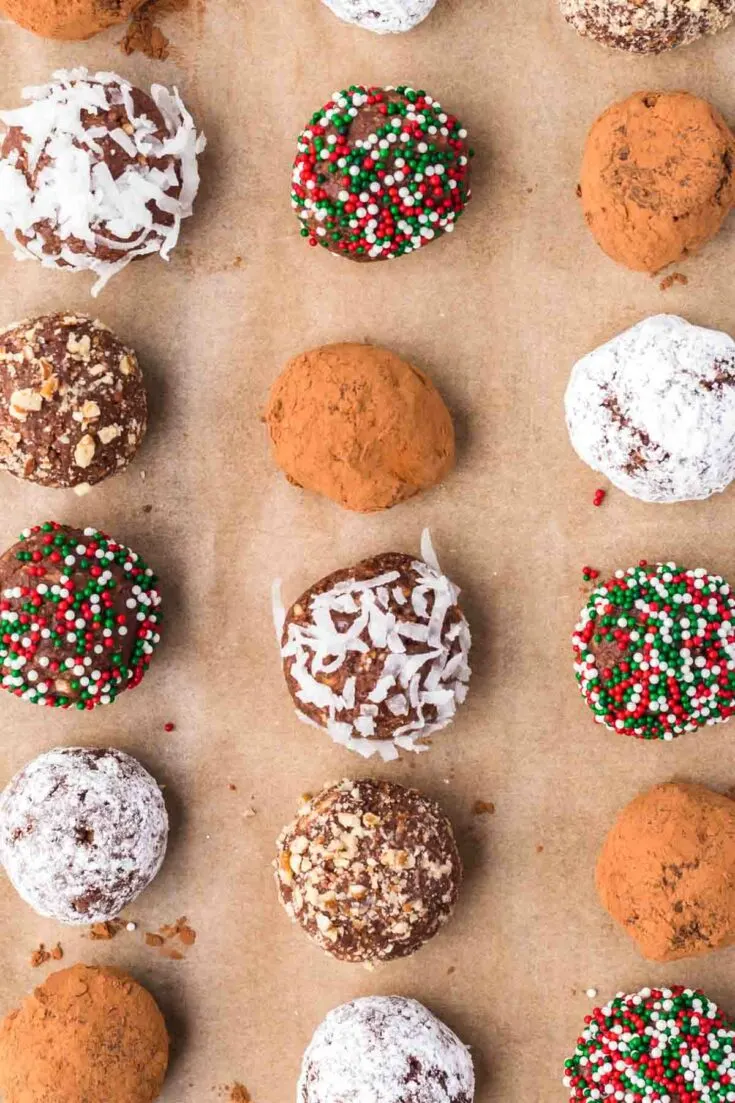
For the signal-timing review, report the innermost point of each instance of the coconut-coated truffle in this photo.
(654, 410)
(82, 833)
(657, 178)
(68, 19)
(87, 1033)
(95, 172)
(73, 405)
(654, 651)
(380, 172)
(80, 614)
(666, 872)
(360, 426)
(385, 1049)
(382, 16)
(647, 26)
(369, 870)
(657, 1044)
(377, 654)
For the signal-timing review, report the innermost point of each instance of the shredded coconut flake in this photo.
(68, 188)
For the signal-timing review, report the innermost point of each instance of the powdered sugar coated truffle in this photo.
(385, 1049)
(382, 16)
(378, 654)
(654, 410)
(82, 833)
(95, 172)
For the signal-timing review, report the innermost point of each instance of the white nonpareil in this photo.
(382, 16)
(654, 410)
(73, 191)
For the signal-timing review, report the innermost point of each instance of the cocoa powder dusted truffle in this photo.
(80, 617)
(654, 410)
(382, 16)
(377, 654)
(369, 870)
(360, 426)
(385, 1049)
(73, 406)
(69, 19)
(95, 172)
(380, 172)
(654, 651)
(87, 1033)
(670, 1044)
(82, 833)
(648, 26)
(657, 178)
(666, 872)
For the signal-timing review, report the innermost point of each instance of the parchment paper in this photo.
(497, 314)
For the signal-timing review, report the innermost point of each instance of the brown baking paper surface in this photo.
(497, 314)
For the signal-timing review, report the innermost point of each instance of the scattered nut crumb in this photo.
(153, 939)
(239, 1094)
(232, 788)
(539, 848)
(248, 813)
(483, 808)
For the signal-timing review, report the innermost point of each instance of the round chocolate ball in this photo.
(666, 872)
(654, 651)
(70, 20)
(369, 870)
(82, 833)
(380, 172)
(385, 1049)
(360, 426)
(657, 1044)
(382, 16)
(657, 178)
(647, 26)
(80, 617)
(654, 410)
(87, 1033)
(95, 172)
(377, 654)
(73, 406)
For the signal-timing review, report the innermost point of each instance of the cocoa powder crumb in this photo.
(179, 931)
(144, 35)
(103, 932)
(483, 808)
(676, 277)
(42, 955)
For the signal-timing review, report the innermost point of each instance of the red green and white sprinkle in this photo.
(654, 651)
(81, 619)
(392, 190)
(661, 1045)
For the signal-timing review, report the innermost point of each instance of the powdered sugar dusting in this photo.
(385, 1049)
(654, 410)
(59, 183)
(82, 833)
(382, 16)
